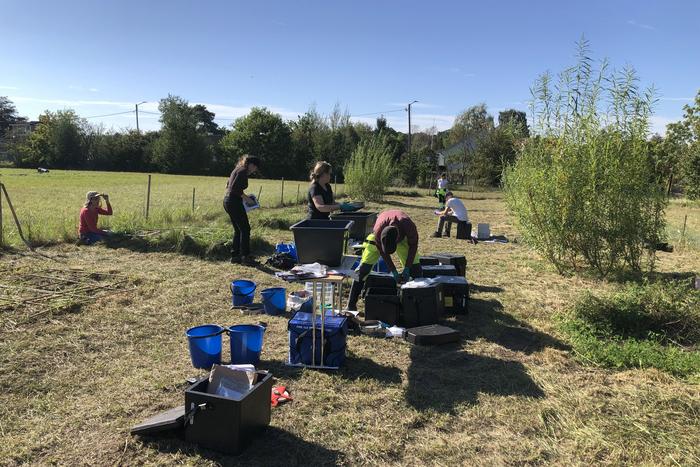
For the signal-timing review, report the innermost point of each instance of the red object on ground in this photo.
(88, 219)
(280, 395)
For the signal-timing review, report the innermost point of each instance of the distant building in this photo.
(453, 152)
(20, 130)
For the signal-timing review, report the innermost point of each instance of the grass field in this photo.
(81, 369)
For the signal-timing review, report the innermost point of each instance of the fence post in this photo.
(193, 191)
(472, 188)
(1, 233)
(335, 184)
(282, 196)
(298, 188)
(148, 196)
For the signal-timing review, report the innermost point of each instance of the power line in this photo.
(377, 113)
(111, 115)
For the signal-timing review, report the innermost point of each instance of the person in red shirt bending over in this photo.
(87, 230)
(394, 232)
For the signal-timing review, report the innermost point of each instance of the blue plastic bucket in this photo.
(242, 292)
(274, 300)
(205, 345)
(246, 343)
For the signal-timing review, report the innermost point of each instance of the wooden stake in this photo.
(1, 237)
(335, 184)
(282, 196)
(193, 191)
(148, 196)
(14, 215)
(298, 189)
(259, 193)
(682, 239)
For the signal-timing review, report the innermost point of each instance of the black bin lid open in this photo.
(169, 420)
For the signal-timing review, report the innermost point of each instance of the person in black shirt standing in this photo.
(320, 198)
(234, 205)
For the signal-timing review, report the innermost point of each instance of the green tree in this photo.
(266, 135)
(684, 144)
(58, 142)
(8, 114)
(182, 145)
(516, 120)
(368, 173)
(471, 122)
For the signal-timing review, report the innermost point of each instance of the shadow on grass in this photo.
(400, 204)
(273, 447)
(442, 378)
(186, 245)
(476, 288)
(652, 276)
(354, 368)
(487, 320)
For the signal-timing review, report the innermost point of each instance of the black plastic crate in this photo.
(455, 293)
(458, 261)
(223, 424)
(379, 280)
(429, 261)
(421, 305)
(321, 241)
(383, 304)
(363, 223)
(439, 270)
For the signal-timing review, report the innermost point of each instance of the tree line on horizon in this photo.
(191, 142)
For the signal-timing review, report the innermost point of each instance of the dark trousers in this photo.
(363, 272)
(449, 219)
(241, 226)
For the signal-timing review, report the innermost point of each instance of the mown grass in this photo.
(509, 393)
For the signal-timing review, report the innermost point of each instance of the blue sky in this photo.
(101, 57)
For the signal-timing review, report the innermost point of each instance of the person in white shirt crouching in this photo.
(454, 212)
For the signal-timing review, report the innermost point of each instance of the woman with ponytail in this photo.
(320, 198)
(234, 205)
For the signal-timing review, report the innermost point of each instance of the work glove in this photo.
(406, 274)
(395, 273)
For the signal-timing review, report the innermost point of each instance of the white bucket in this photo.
(483, 232)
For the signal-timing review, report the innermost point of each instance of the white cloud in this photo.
(10, 88)
(93, 90)
(632, 22)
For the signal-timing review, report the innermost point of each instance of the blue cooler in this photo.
(301, 340)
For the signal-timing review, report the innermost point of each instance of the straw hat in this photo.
(89, 196)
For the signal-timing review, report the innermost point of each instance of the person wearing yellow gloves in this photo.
(393, 232)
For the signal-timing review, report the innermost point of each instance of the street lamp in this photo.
(137, 116)
(409, 125)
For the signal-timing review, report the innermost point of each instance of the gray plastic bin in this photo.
(363, 223)
(321, 241)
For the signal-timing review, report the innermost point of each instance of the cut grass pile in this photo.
(649, 325)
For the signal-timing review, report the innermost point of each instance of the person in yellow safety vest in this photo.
(394, 232)
(441, 190)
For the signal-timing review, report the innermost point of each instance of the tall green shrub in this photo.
(582, 189)
(370, 169)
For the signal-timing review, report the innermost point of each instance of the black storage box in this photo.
(363, 223)
(223, 424)
(320, 240)
(458, 261)
(379, 280)
(429, 261)
(439, 270)
(455, 293)
(383, 304)
(421, 305)
(433, 334)
(464, 230)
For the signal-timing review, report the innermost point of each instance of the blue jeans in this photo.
(90, 237)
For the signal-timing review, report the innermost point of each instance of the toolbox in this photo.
(433, 334)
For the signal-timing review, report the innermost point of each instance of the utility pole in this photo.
(137, 116)
(409, 125)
